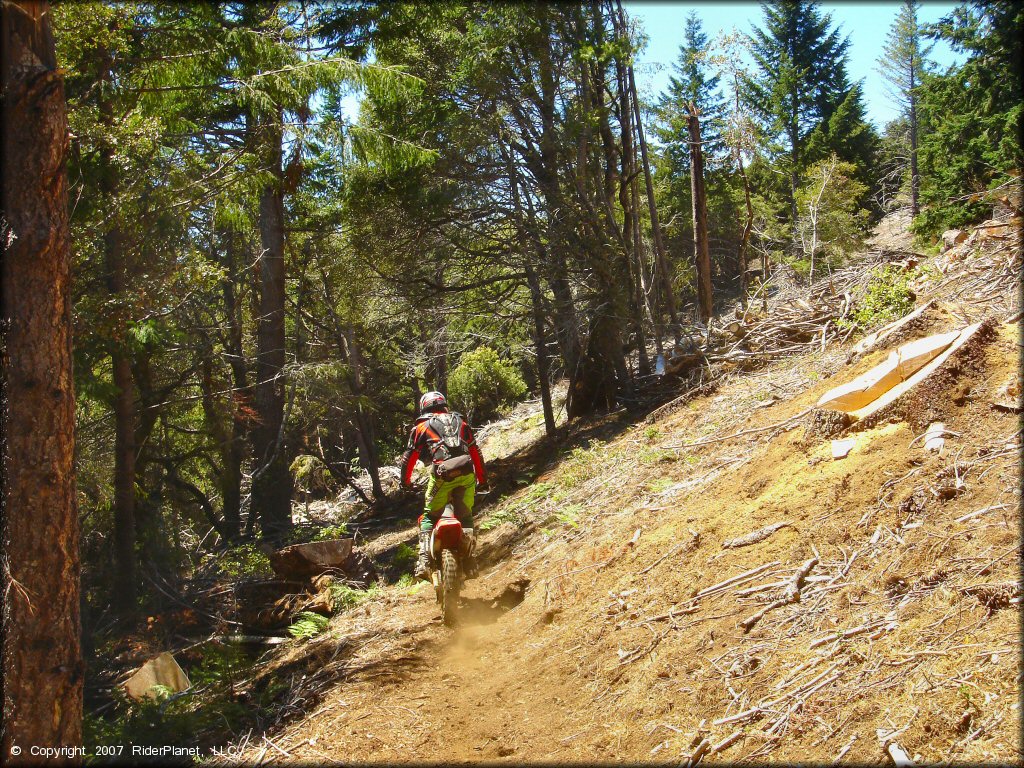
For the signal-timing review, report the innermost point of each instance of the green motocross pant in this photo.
(459, 491)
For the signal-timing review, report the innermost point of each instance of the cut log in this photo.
(901, 364)
(301, 561)
(163, 671)
(841, 448)
(872, 340)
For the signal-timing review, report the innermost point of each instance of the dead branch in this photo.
(738, 578)
(792, 595)
(755, 536)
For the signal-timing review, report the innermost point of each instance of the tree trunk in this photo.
(628, 199)
(41, 653)
(701, 254)
(915, 177)
(364, 424)
(748, 223)
(659, 240)
(233, 454)
(123, 596)
(272, 482)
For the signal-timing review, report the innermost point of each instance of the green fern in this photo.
(308, 625)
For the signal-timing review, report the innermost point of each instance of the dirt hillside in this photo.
(615, 617)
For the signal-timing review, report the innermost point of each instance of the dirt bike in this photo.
(450, 543)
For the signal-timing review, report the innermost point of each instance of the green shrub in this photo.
(339, 531)
(404, 555)
(308, 624)
(245, 561)
(482, 383)
(888, 296)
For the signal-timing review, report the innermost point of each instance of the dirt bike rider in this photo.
(442, 439)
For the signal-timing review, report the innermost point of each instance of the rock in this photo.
(952, 237)
(164, 671)
(933, 438)
(841, 448)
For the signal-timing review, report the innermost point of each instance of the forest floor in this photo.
(583, 641)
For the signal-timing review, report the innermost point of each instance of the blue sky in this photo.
(867, 24)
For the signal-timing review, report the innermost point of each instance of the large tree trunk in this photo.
(124, 592)
(364, 424)
(41, 653)
(629, 200)
(272, 482)
(701, 253)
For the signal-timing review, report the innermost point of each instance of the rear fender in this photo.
(447, 534)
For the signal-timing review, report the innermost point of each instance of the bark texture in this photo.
(42, 664)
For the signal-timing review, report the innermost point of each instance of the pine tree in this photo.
(692, 82)
(802, 92)
(39, 528)
(971, 115)
(903, 63)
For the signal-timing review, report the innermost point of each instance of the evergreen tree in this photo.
(692, 82)
(903, 63)
(802, 94)
(971, 115)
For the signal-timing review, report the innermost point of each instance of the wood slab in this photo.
(163, 670)
(901, 364)
(922, 373)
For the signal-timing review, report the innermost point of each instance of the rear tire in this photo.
(449, 586)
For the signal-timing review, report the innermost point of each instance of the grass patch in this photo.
(660, 484)
(655, 455)
(509, 514)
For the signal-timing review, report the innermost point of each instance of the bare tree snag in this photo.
(702, 257)
(42, 663)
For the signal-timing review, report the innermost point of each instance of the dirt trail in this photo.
(582, 643)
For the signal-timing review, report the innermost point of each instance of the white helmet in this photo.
(432, 401)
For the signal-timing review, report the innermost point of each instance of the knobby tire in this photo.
(449, 586)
